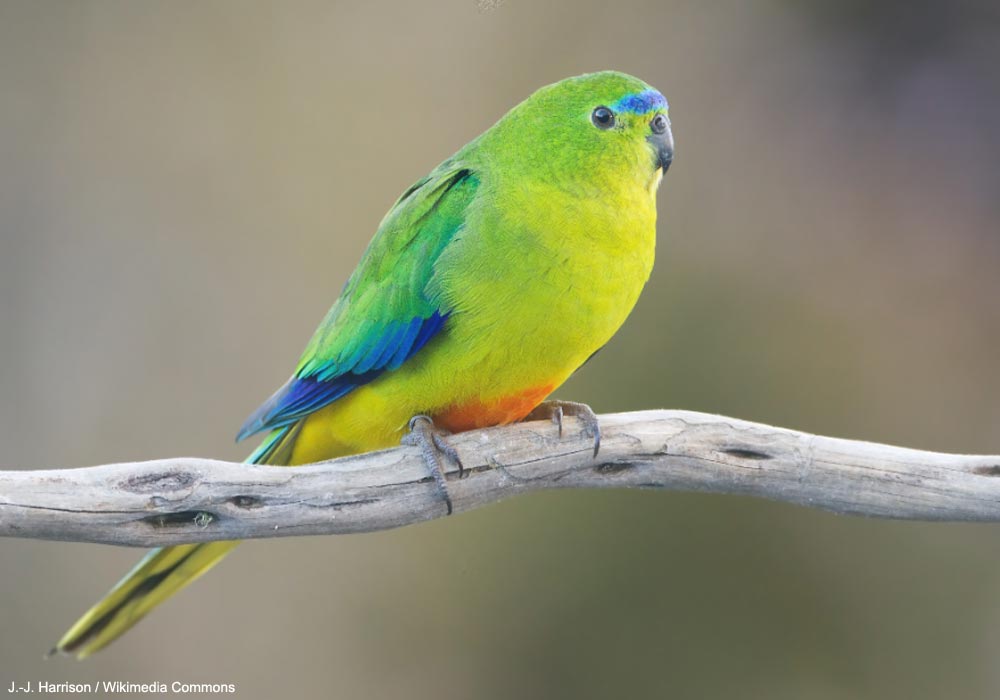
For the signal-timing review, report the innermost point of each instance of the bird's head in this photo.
(589, 132)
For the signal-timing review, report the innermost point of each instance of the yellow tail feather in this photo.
(160, 574)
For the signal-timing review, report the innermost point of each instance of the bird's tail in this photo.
(160, 574)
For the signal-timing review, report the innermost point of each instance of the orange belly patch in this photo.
(480, 414)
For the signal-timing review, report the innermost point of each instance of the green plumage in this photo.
(392, 285)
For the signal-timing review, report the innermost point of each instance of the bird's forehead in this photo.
(640, 102)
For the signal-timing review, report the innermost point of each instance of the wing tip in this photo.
(259, 419)
(251, 427)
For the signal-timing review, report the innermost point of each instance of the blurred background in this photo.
(185, 186)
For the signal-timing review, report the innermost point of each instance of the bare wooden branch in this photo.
(173, 501)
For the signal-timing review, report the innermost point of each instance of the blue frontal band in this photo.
(640, 102)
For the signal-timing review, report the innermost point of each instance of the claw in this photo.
(555, 410)
(432, 444)
(557, 416)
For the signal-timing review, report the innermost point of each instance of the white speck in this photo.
(488, 5)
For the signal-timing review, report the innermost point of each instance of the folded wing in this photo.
(387, 311)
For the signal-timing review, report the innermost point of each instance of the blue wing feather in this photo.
(302, 395)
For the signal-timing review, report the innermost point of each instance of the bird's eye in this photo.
(658, 124)
(603, 118)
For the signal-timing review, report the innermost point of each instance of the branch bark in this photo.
(174, 501)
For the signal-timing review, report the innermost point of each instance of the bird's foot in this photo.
(555, 410)
(432, 443)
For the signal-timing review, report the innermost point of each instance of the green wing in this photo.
(385, 314)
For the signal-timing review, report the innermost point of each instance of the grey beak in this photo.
(664, 145)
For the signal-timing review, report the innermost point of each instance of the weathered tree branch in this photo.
(172, 501)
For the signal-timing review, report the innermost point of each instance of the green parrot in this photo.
(487, 284)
